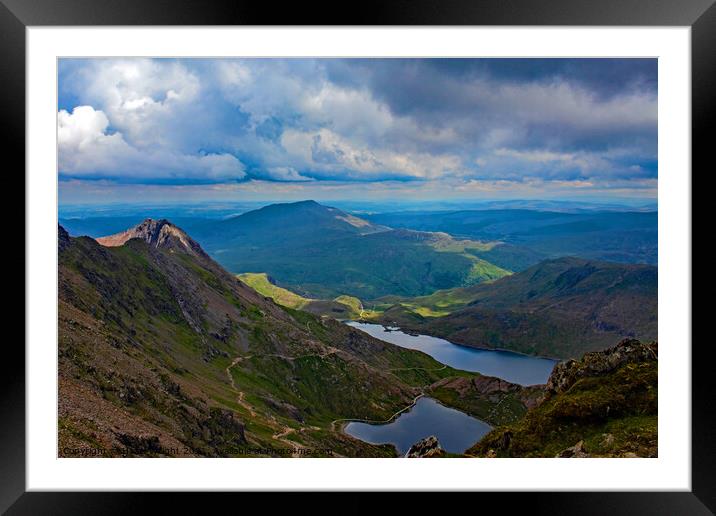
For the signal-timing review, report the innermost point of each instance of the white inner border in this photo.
(670, 471)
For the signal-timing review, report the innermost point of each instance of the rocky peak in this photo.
(597, 363)
(157, 233)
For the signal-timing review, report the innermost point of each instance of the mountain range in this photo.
(322, 252)
(615, 236)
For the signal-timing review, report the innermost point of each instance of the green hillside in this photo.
(437, 304)
(321, 252)
(342, 307)
(560, 308)
(260, 282)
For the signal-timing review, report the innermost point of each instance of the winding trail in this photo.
(281, 436)
(417, 368)
(284, 430)
(240, 394)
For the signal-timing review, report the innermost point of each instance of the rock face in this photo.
(628, 351)
(157, 233)
(63, 238)
(491, 399)
(425, 448)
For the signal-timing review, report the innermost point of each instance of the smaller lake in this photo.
(513, 367)
(455, 430)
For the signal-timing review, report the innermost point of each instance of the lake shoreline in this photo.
(394, 327)
(514, 367)
(344, 423)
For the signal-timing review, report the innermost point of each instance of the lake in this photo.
(455, 430)
(513, 367)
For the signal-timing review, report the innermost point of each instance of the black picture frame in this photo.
(17, 15)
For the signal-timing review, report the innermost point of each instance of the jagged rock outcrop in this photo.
(426, 448)
(628, 351)
(606, 403)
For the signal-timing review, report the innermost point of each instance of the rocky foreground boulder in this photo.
(426, 448)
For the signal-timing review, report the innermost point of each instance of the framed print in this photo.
(269, 255)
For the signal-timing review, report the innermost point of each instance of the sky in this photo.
(178, 130)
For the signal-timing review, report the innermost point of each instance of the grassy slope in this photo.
(342, 307)
(496, 407)
(493, 400)
(321, 253)
(437, 304)
(260, 282)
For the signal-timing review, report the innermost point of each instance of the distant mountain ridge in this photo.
(615, 236)
(297, 219)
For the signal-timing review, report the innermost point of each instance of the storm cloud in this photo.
(452, 122)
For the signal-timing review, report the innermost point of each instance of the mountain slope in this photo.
(322, 252)
(297, 223)
(604, 405)
(164, 353)
(559, 308)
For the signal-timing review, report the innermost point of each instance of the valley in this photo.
(255, 354)
(162, 350)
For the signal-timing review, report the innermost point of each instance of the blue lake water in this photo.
(513, 367)
(455, 430)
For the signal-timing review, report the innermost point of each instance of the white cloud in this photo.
(87, 150)
(329, 152)
(143, 98)
(286, 174)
